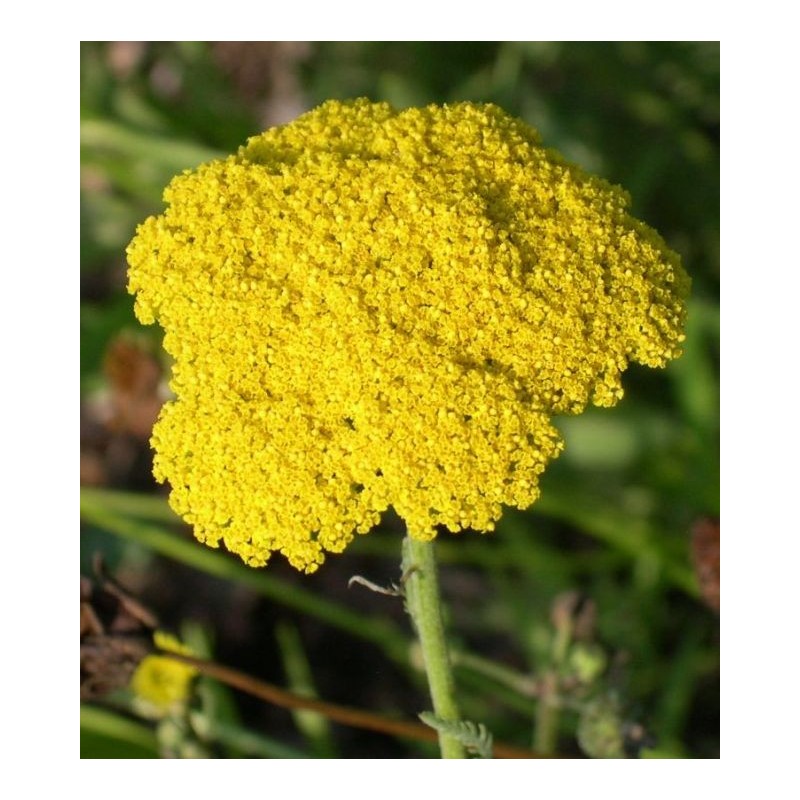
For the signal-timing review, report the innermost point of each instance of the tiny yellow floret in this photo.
(371, 308)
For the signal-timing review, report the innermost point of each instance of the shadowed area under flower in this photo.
(370, 308)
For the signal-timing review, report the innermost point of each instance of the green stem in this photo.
(547, 716)
(425, 608)
(548, 709)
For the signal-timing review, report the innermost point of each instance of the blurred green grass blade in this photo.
(520, 683)
(128, 739)
(217, 704)
(132, 504)
(241, 740)
(216, 724)
(314, 727)
(476, 684)
(213, 562)
(170, 153)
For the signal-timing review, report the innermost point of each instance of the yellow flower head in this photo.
(160, 680)
(370, 308)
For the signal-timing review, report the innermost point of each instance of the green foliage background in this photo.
(617, 508)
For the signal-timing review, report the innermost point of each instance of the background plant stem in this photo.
(548, 709)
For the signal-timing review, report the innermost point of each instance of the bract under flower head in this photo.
(370, 308)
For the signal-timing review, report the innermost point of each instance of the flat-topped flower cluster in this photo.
(370, 308)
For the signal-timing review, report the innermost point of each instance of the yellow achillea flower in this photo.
(370, 308)
(160, 680)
